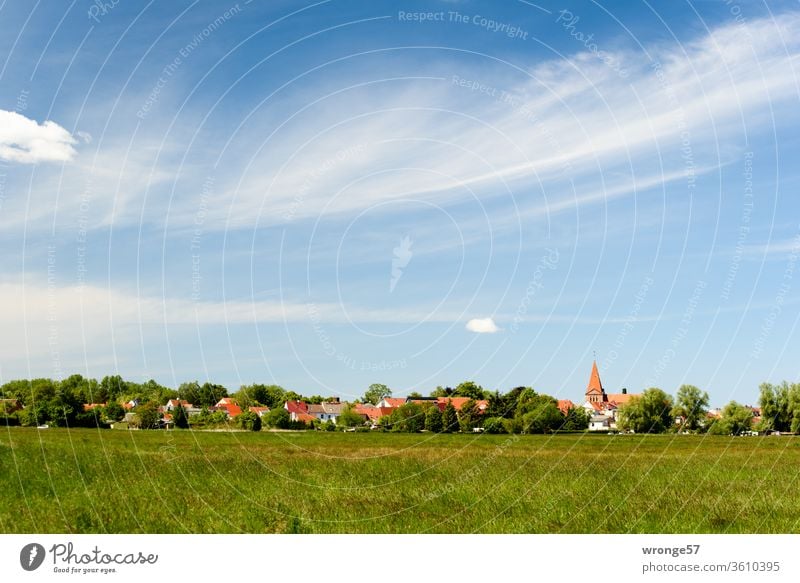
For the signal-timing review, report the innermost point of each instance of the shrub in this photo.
(494, 425)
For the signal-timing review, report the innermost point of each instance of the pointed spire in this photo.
(595, 386)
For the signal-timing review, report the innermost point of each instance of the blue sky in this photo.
(326, 195)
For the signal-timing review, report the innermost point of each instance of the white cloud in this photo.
(24, 141)
(482, 326)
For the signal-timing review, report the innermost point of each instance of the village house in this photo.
(229, 406)
(391, 402)
(326, 411)
(297, 409)
(260, 411)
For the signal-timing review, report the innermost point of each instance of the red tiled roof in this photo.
(620, 398)
(594, 386)
(90, 406)
(564, 405)
(371, 412)
(259, 410)
(296, 407)
(458, 402)
(394, 401)
(232, 408)
(305, 417)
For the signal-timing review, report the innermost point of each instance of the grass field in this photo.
(89, 481)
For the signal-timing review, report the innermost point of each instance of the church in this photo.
(601, 406)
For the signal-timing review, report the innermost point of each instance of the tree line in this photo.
(520, 410)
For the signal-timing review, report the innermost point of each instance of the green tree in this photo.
(577, 419)
(794, 407)
(494, 425)
(147, 416)
(349, 418)
(776, 406)
(441, 391)
(278, 418)
(375, 392)
(470, 389)
(113, 411)
(271, 396)
(469, 417)
(113, 387)
(205, 395)
(545, 417)
(249, 421)
(433, 419)
(692, 405)
(180, 417)
(735, 420)
(409, 417)
(449, 418)
(649, 413)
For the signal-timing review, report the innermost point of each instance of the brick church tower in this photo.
(594, 391)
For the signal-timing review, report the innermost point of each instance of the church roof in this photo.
(595, 386)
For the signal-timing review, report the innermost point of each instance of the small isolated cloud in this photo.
(482, 326)
(25, 141)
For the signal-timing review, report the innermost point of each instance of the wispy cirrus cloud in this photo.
(434, 139)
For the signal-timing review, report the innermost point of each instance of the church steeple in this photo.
(594, 390)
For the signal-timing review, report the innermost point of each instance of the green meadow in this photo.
(102, 481)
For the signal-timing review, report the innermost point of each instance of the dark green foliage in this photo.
(433, 419)
(449, 418)
(471, 390)
(469, 417)
(350, 418)
(271, 396)
(735, 420)
(90, 418)
(278, 418)
(205, 395)
(409, 418)
(777, 404)
(649, 413)
(147, 416)
(544, 417)
(180, 417)
(691, 404)
(577, 419)
(494, 425)
(113, 411)
(249, 421)
(375, 392)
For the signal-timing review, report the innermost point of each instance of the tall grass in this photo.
(91, 481)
